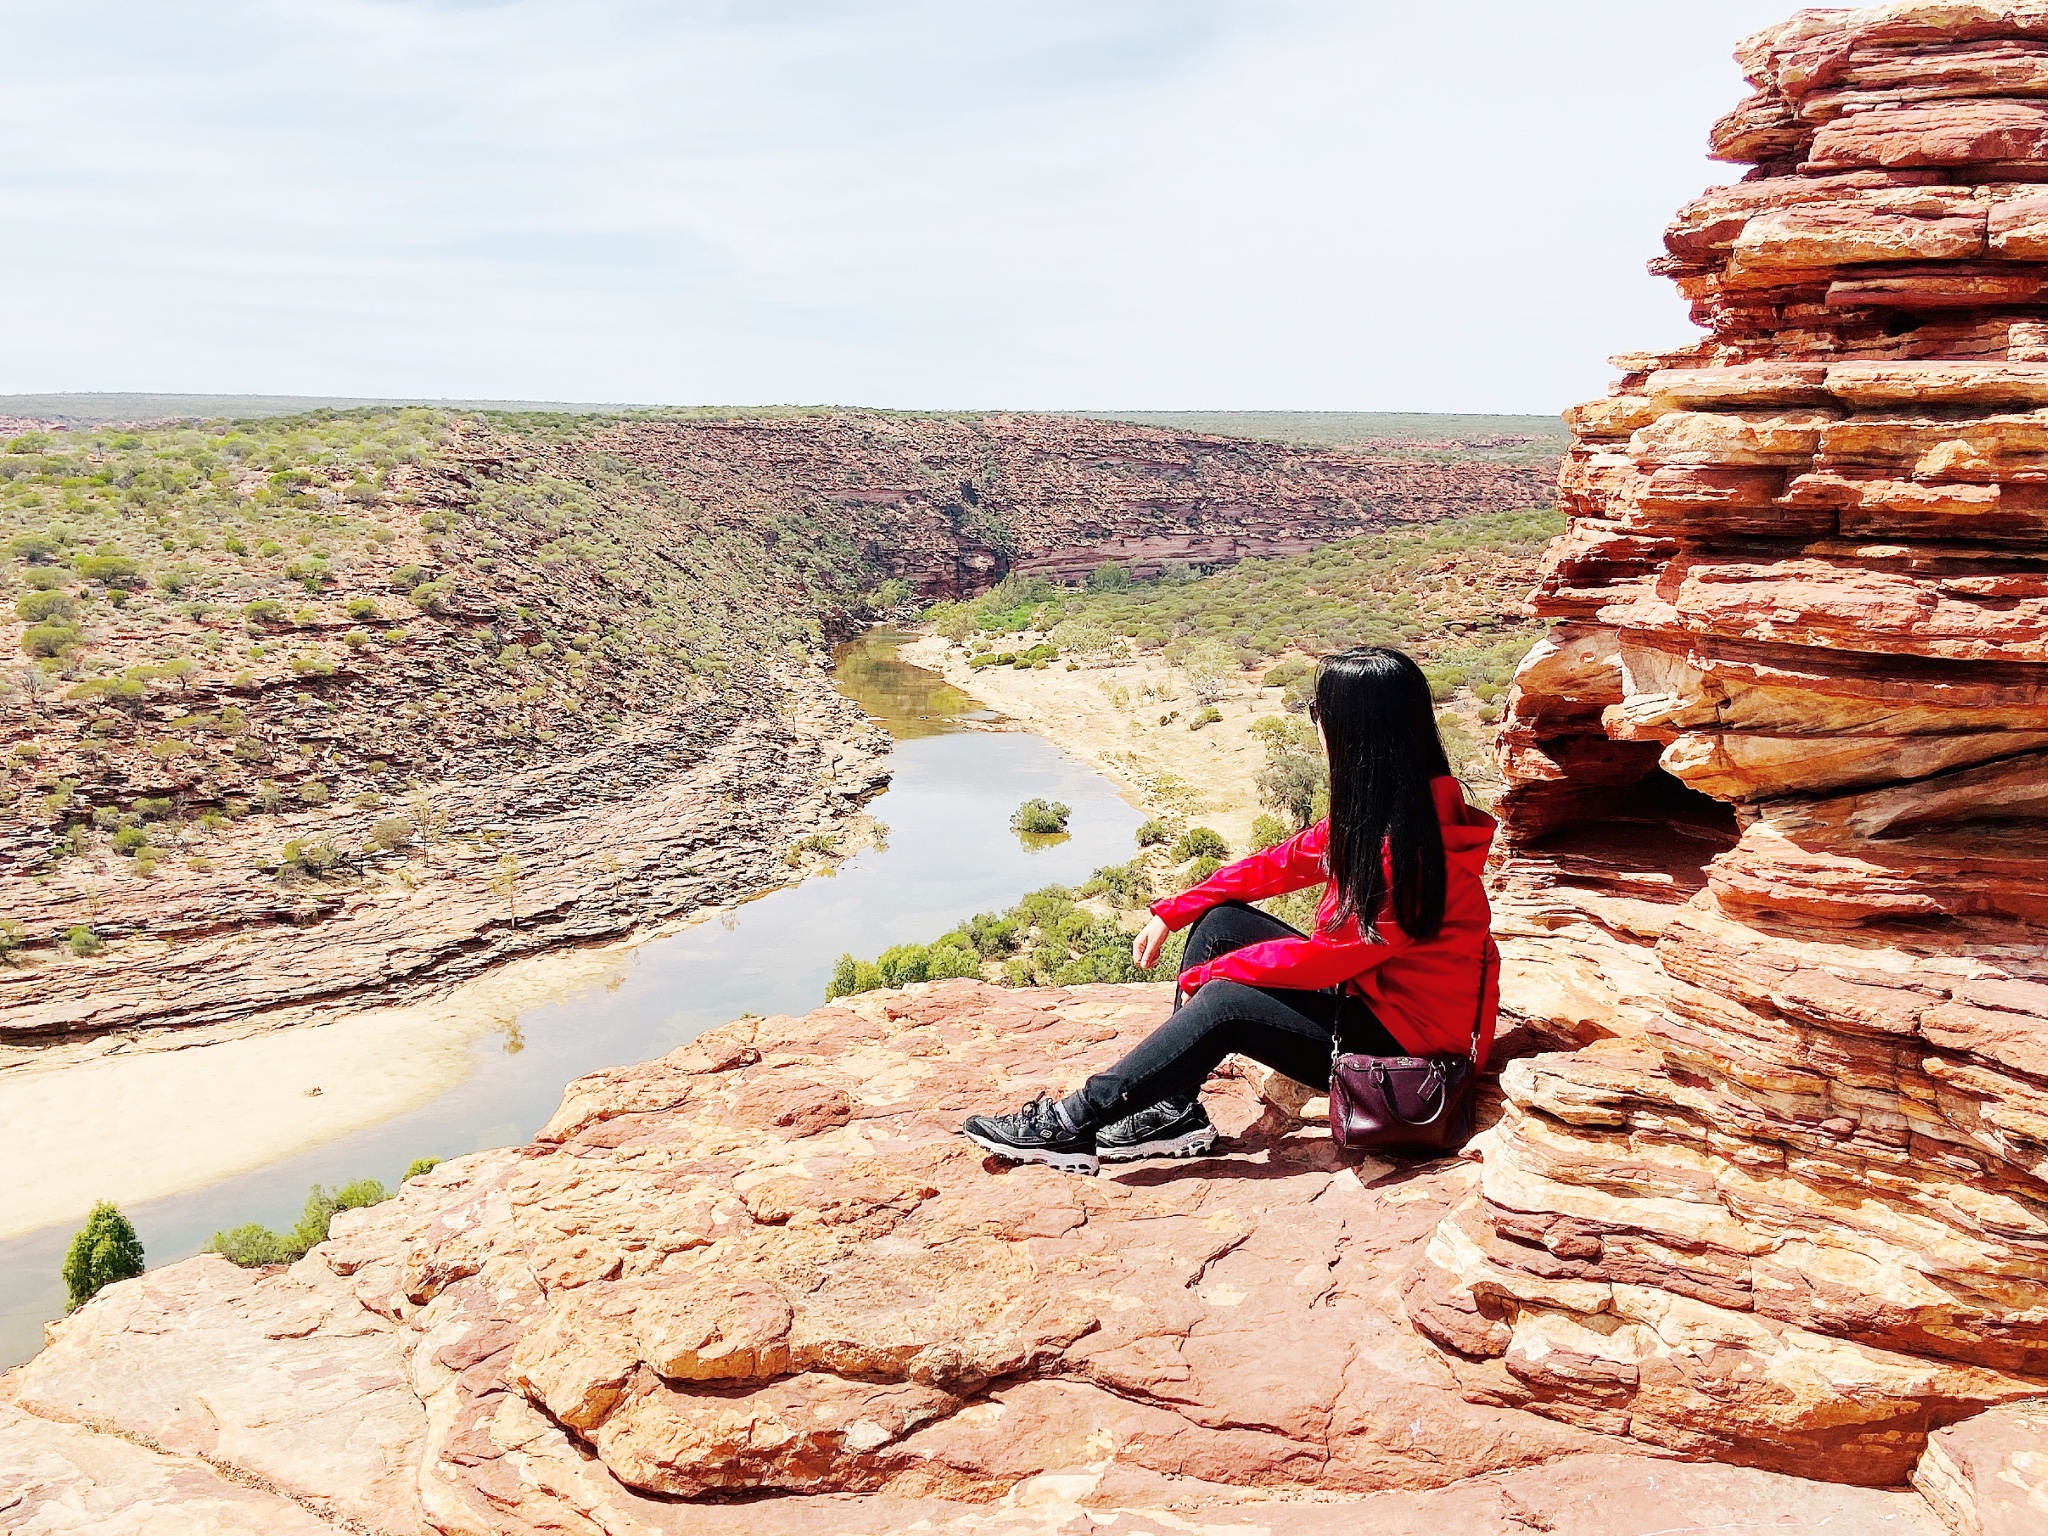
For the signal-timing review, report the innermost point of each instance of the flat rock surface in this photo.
(767, 1266)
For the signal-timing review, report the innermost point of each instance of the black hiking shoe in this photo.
(1035, 1134)
(1170, 1128)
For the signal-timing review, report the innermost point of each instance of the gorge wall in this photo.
(1778, 794)
(364, 705)
(953, 503)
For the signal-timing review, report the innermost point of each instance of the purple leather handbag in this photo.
(1414, 1104)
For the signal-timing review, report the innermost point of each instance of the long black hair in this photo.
(1380, 726)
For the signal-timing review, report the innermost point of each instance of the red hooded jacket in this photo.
(1425, 992)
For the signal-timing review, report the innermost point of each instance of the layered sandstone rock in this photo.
(1778, 789)
(954, 503)
(762, 1285)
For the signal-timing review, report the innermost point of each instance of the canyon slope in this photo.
(1776, 816)
(356, 705)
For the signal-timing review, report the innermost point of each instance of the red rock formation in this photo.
(763, 1286)
(1778, 790)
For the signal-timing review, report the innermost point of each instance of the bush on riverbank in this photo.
(253, 1245)
(1049, 939)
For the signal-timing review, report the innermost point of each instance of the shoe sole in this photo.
(1192, 1144)
(1066, 1162)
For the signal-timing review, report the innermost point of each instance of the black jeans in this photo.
(1290, 1031)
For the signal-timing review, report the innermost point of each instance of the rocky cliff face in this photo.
(1778, 789)
(951, 504)
(762, 1285)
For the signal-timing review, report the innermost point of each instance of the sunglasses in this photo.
(1314, 715)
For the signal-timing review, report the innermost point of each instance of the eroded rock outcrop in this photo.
(1778, 790)
(762, 1285)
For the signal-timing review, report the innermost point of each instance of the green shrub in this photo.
(902, 964)
(1267, 832)
(362, 608)
(392, 832)
(253, 1244)
(10, 940)
(52, 604)
(420, 1165)
(312, 664)
(265, 610)
(36, 548)
(1208, 715)
(82, 941)
(1200, 843)
(104, 1250)
(130, 840)
(1109, 577)
(113, 570)
(1041, 817)
(990, 934)
(313, 792)
(44, 578)
(52, 638)
(115, 690)
(309, 856)
(1153, 832)
(1124, 886)
(1198, 871)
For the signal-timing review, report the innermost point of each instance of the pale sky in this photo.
(1226, 204)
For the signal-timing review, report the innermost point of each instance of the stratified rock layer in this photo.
(762, 1285)
(1778, 790)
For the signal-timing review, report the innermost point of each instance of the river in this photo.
(949, 852)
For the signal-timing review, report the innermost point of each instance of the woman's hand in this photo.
(1146, 946)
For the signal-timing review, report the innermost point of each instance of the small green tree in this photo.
(506, 884)
(1200, 843)
(106, 1249)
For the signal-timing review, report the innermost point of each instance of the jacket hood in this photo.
(1467, 830)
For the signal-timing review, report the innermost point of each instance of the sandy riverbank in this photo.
(138, 1117)
(1130, 723)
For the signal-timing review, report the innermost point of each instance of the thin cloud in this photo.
(1044, 204)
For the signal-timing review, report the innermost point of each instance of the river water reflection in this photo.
(949, 853)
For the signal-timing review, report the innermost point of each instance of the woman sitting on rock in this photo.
(1394, 963)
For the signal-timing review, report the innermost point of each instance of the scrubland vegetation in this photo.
(231, 621)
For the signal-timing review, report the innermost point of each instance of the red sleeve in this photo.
(1290, 866)
(1306, 964)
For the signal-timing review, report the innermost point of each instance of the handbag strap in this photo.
(1486, 958)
